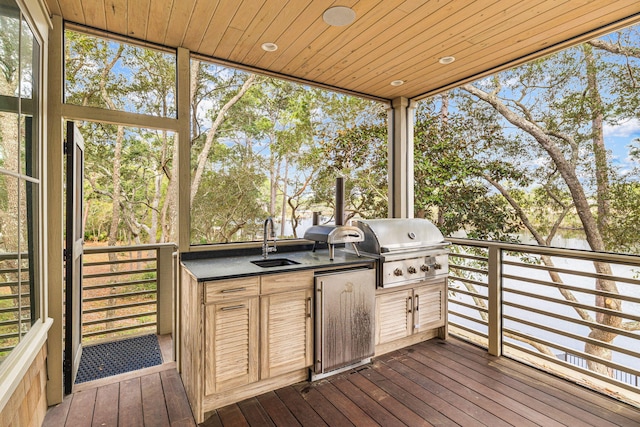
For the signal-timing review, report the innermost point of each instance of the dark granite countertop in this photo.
(233, 266)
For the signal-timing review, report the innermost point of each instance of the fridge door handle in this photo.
(318, 327)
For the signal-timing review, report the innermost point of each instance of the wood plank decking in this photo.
(156, 399)
(432, 383)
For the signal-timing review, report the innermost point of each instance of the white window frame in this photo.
(14, 368)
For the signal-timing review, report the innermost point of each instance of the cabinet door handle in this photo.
(417, 300)
(409, 304)
(233, 307)
(309, 308)
(228, 291)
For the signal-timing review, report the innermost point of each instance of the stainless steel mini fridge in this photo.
(344, 327)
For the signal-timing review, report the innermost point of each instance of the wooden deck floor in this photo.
(432, 383)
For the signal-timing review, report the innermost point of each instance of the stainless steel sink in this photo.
(274, 262)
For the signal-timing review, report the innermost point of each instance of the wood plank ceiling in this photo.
(389, 40)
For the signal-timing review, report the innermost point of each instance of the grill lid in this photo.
(398, 235)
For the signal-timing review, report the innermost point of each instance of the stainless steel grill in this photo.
(409, 250)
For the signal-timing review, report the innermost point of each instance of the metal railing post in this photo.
(164, 263)
(495, 300)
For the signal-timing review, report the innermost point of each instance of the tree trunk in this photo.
(273, 184)
(590, 226)
(602, 197)
(211, 134)
(115, 220)
(193, 88)
(565, 168)
(592, 231)
(597, 135)
(170, 208)
(444, 110)
(117, 155)
(115, 209)
(157, 194)
(85, 215)
(283, 214)
(444, 122)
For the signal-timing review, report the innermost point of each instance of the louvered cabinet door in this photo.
(286, 332)
(393, 316)
(231, 344)
(429, 307)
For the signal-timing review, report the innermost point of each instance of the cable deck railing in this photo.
(127, 290)
(15, 300)
(571, 312)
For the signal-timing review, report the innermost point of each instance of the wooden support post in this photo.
(184, 149)
(164, 263)
(495, 300)
(53, 206)
(177, 302)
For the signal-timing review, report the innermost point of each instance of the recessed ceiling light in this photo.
(269, 47)
(397, 83)
(446, 59)
(339, 16)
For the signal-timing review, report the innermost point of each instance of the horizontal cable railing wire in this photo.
(572, 312)
(120, 291)
(15, 314)
(468, 301)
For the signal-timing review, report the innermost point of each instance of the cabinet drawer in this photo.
(222, 290)
(287, 282)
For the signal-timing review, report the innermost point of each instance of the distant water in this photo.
(567, 239)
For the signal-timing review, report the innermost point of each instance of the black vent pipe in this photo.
(340, 200)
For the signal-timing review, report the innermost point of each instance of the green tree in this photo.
(555, 110)
(216, 93)
(449, 185)
(135, 79)
(351, 141)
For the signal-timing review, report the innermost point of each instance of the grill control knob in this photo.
(411, 269)
(424, 267)
(397, 272)
(437, 266)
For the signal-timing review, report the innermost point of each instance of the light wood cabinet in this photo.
(231, 344)
(286, 327)
(393, 316)
(429, 307)
(243, 337)
(286, 333)
(409, 314)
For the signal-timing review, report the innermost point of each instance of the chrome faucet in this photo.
(265, 238)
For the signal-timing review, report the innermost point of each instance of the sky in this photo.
(618, 139)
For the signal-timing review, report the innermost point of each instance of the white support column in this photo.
(53, 190)
(184, 149)
(400, 123)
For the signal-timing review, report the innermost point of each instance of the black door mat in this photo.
(117, 357)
